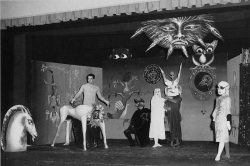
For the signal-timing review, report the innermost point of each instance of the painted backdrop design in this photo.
(53, 85)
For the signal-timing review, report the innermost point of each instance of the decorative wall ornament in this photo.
(127, 92)
(120, 54)
(152, 74)
(52, 112)
(245, 56)
(178, 33)
(202, 82)
(202, 79)
(204, 56)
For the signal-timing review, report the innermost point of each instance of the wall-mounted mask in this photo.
(245, 56)
(204, 55)
(120, 54)
(178, 33)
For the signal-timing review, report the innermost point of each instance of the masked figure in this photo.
(173, 92)
(222, 118)
(157, 127)
(139, 124)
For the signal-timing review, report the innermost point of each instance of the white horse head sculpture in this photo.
(17, 121)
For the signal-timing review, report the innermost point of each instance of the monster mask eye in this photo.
(209, 50)
(168, 28)
(191, 27)
(199, 51)
(115, 56)
(124, 56)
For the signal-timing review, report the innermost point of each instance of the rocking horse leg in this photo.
(84, 126)
(67, 133)
(57, 133)
(102, 126)
(63, 118)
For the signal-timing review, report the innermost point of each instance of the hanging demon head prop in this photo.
(120, 54)
(178, 33)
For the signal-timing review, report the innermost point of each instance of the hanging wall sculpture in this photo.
(202, 79)
(178, 33)
(245, 56)
(120, 54)
(152, 74)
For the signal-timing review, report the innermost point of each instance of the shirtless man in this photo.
(90, 91)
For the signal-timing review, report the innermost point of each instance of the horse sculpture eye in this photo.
(30, 121)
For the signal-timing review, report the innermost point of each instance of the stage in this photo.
(119, 154)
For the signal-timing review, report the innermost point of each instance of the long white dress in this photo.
(222, 109)
(157, 127)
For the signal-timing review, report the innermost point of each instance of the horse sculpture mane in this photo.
(9, 119)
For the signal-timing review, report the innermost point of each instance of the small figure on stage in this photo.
(139, 124)
(222, 118)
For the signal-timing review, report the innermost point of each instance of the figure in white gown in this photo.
(222, 117)
(157, 128)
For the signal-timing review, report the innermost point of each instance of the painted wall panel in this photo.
(54, 85)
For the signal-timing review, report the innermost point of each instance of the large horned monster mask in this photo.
(178, 33)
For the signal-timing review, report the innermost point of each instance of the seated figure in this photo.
(139, 124)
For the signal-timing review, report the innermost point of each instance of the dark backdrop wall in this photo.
(195, 122)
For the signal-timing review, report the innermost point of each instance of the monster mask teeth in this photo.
(201, 41)
(184, 51)
(155, 42)
(170, 50)
(139, 31)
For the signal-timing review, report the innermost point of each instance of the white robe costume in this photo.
(157, 127)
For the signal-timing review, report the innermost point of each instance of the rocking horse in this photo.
(82, 112)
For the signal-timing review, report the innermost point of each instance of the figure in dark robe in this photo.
(139, 125)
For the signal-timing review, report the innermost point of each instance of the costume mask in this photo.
(223, 88)
(172, 75)
(157, 92)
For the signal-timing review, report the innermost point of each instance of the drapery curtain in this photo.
(145, 7)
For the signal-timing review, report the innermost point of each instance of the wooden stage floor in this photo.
(120, 154)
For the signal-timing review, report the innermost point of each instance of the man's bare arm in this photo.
(99, 95)
(77, 94)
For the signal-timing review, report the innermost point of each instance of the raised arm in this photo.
(164, 77)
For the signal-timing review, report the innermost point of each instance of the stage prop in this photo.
(120, 54)
(178, 33)
(244, 117)
(233, 77)
(127, 92)
(152, 74)
(16, 123)
(238, 73)
(204, 56)
(245, 56)
(52, 86)
(82, 113)
(203, 78)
